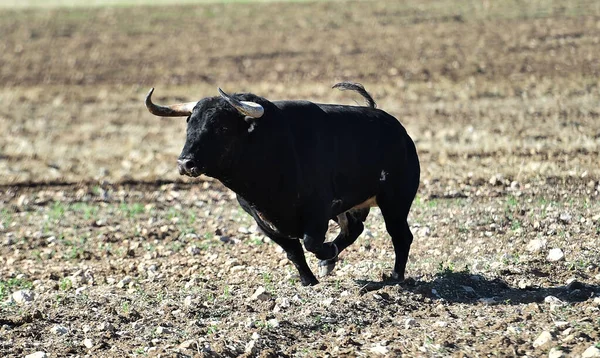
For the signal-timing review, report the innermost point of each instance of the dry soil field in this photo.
(106, 251)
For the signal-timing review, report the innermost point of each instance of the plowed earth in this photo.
(124, 257)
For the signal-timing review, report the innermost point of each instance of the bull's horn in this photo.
(174, 110)
(250, 109)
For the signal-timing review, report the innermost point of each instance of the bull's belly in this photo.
(369, 203)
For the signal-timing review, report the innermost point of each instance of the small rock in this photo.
(187, 301)
(124, 282)
(88, 343)
(525, 284)
(487, 300)
(555, 353)
(260, 294)
(561, 324)
(58, 329)
(379, 349)
(255, 335)
(187, 344)
(37, 355)
(274, 323)
(555, 255)
(514, 329)
(106, 326)
(22, 297)
(327, 302)
(163, 330)
(552, 299)
(441, 324)
(565, 218)
(193, 250)
(597, 301)
(591, 352)
(249, 348)
(536, 245)
(409, 322)
(496, 179)
(543, 339)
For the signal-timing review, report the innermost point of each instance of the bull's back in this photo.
(347, 151)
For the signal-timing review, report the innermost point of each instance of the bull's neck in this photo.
(263, 172)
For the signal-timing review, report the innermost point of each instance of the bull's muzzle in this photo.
(188, 167)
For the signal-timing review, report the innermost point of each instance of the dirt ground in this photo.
(106, 251)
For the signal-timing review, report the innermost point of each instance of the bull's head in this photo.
(215, 126)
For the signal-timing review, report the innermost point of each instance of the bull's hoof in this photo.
(326, 267)
(309, 281)
(393, 278)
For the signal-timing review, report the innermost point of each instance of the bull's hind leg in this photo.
(351, 226)
(395, 213)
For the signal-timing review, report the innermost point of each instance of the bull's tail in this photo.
(344, 86)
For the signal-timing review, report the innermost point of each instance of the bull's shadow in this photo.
(464, 287)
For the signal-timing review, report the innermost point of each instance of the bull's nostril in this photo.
(185, 166)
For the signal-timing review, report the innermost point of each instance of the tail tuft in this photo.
(353, 86)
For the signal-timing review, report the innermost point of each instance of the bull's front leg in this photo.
(295, 254)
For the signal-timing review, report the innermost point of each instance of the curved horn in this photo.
(174, 110)
(250, 109)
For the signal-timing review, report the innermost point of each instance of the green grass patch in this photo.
(11, 285)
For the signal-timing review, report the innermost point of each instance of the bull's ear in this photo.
(249, 109)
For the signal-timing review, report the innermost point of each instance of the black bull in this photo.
(295, 165)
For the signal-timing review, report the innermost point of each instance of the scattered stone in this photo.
(88, 343)
(552, 299)
(260, 294)
(591, 352)
(561, 324)
(124, 282)
(597, 301)
(193, 250)
(441, 324)
(163, 330)
(536, 245)
(543, 339)
(525, 284)
(59, 330)
(496, 179)
(249, 348)
(106, 326)
(410, 322)
(187, 344)
(187, 301)
(22, 297)
(37, 355)
(379, 349)
(555, 353)
(487, 300)
(555, 255)
(514, 329)
(565, 218)
(327, 302)
(273, 323)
